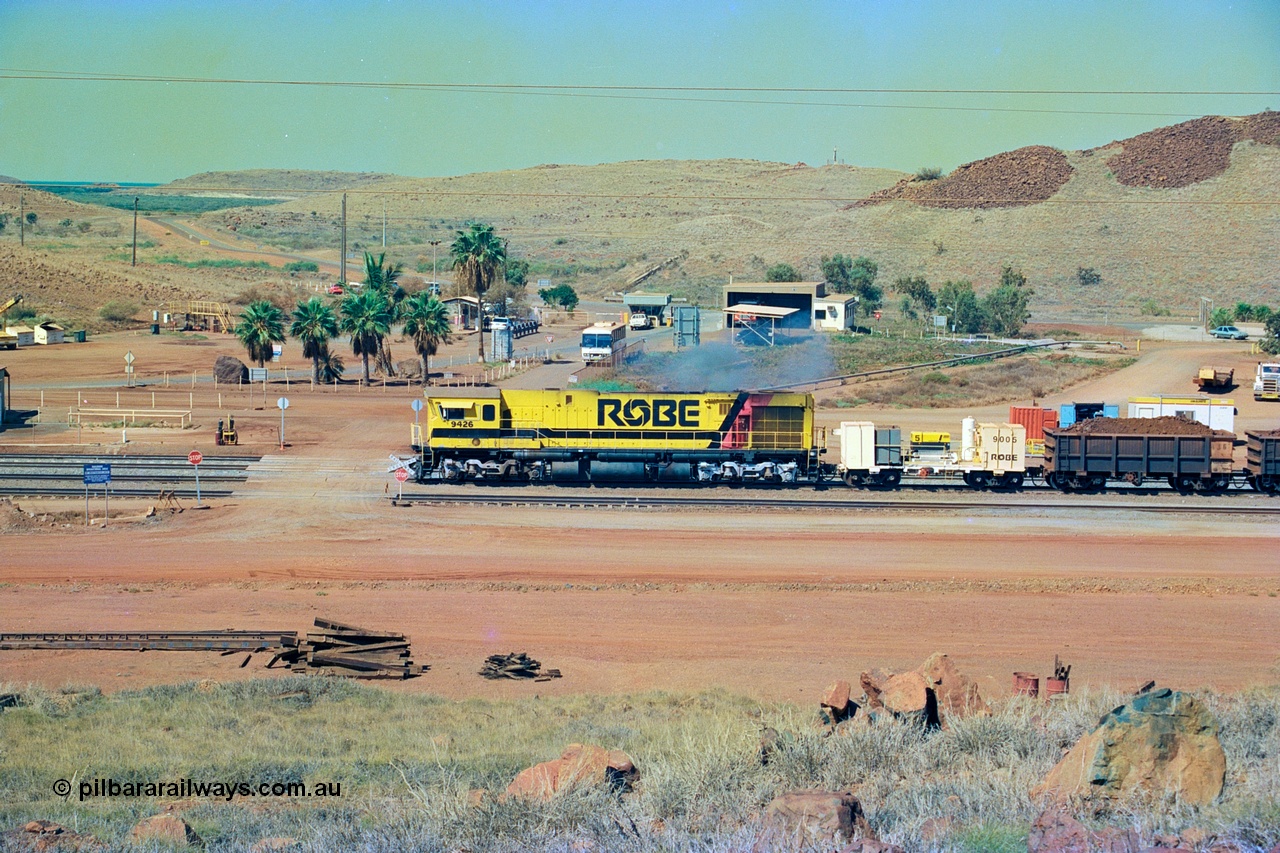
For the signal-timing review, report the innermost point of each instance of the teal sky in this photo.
(159, 131)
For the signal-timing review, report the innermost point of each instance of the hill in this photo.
(285, 183)
(1169, 215)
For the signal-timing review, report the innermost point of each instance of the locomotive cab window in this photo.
(453, 413)
(488, 412)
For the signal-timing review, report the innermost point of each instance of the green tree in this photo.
(517, 272)
(1088, 276)
(366, 316)
(479, 260)
(1005, 308)
(856, 276)
(917, 289)
(959, 303)
(562, 295)
(261, 325)
(1220, 317)
(426, 321)
(781, 272)
(315, 324)
(32, 218)
(1243, 312)
(1261, 313)
(1270, 342)
(384, 278)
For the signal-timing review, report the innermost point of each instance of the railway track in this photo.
(1153, 504)
(55, 475)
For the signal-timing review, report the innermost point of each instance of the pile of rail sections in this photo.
(516, 665)
(345, 647)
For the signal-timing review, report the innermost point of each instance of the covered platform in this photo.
(760, 323)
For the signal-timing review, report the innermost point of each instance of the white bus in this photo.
(603, 342)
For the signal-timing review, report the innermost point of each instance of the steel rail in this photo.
(96, 491)
(149, 640)
(665, 502)
(78, 477)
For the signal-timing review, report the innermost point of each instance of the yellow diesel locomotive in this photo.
(492, 434)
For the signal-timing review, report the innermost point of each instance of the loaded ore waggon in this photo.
(543, 435)
(1262, 468)
(1189, 456)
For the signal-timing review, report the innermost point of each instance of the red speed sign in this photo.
(195, 457)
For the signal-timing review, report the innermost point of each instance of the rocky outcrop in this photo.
(798, 820)
(1162, 741)
(578, 765)
(1056, 831)
(168, 829)
(45, 836)
(230, 370)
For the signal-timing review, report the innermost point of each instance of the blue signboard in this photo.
(97, 474)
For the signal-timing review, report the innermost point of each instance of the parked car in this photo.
(335, 289)
(1229, 333)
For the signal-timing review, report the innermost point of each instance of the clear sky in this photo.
(686, 53)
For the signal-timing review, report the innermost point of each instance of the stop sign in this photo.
(402, 475)
(195, 457)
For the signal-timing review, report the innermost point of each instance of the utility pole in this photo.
(434, 244)
(135, 232)
(384, 223)
(22, 219)
(342, 268)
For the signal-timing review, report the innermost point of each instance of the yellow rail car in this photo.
(708, 437)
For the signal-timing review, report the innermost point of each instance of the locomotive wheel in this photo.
(890, 479)
(1054, 480)
(1185, 484)
(853, 480)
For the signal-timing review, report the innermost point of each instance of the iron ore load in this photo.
(1189, 456)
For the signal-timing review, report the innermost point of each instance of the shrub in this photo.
(928, 173)
(1151, 308)
(781, 272)
(118, 311)
(1088, 276)
(302, 266)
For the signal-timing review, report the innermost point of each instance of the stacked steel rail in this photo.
(335, 647)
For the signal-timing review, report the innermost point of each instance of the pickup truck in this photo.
(641, 321)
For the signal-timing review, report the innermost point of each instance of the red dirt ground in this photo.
(769, 604)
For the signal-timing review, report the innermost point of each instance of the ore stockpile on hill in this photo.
(1141, 426)
(1012, 179)
(1187, 153)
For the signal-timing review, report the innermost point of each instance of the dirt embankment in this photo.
(1187, 153)
(1011, 179)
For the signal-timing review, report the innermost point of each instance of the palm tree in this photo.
(314, 323)
(426, 320)
(479, 260)
(367, 317)
(385, 279)
(260, 326)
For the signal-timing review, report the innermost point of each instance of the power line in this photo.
(633, 93)
(26, 73)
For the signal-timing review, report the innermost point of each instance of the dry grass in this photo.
(1031, 376)
(406, 764)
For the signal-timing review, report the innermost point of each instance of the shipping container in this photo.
(1035, 419)
(1071, 413)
